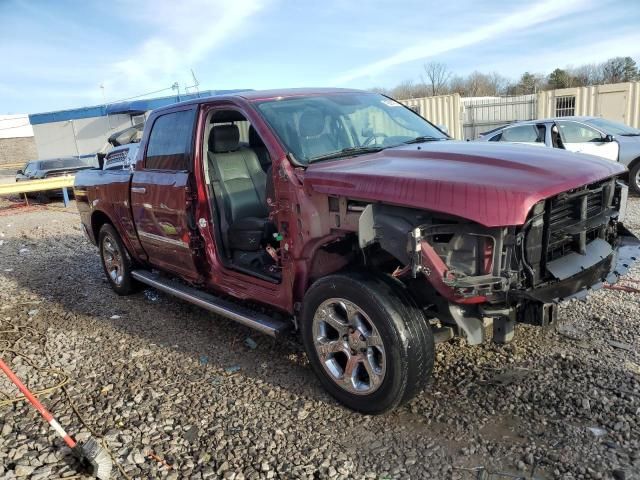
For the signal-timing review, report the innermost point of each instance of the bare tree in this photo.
(437, 77)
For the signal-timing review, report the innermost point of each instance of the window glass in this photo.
(565, 106)
(31, 168)
(170, 141)
(316, 126)
(522, 134)
(614, 128)
(572, 132)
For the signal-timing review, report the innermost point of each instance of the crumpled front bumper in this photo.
(576, 280)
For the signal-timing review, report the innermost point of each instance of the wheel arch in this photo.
(98, 219)
(633, 163)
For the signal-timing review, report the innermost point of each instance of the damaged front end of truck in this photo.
(469, 276)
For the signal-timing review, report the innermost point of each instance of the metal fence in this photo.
(443, 110)
(482, 114)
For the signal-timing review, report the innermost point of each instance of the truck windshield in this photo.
(321, 127)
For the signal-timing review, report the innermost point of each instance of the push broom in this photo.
(90, 453)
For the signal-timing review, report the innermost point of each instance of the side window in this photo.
(170, 141)
(572, 132)
(522, 134)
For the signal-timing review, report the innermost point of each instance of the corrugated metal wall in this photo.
(619, 102)
(77, 137)
(441, 110)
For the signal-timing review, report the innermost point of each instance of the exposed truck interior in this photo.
(241, 189)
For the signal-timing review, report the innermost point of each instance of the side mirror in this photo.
(443, 128)
(608, 138)
(20, 172)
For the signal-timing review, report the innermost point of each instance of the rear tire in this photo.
(115, 259)
(367, 341)
(634, 178)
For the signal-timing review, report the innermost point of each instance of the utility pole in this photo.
(176, 86)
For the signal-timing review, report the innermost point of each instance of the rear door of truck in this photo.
(162, 192)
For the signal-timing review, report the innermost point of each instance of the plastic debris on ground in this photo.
(597, 431)
(151, 295)
(232, 369)
(251, 343)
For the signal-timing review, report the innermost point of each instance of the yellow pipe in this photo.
(11, 166)
(28, 186)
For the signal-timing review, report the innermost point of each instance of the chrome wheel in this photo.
(349, 346)
(637, 179)
(113, 261)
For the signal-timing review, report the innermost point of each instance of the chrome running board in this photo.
(245, 316)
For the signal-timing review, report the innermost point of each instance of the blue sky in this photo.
(56, 54)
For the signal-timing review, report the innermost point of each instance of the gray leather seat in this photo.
(239, 183)
(314, 142)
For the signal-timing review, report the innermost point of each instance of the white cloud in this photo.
(517, 21)
(182, 34)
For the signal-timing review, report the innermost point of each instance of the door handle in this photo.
(138, 190)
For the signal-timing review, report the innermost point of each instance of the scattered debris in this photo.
(33, 312)
(23, 251)
(632, 367)
(597, 431)
(232, 369)
(507, 377)
(251, 343)
(143, 352)
(153, 456)
(620, 345)
(151, 295)
(204, 360)
(114, 317)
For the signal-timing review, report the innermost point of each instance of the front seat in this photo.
(239, 183)
(313, 141)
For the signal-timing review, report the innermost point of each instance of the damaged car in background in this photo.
(348, 218)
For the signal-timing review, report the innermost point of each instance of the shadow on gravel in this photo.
(66, 270)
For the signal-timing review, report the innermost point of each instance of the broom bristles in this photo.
(96, 457)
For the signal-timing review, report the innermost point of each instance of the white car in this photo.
(592, 135)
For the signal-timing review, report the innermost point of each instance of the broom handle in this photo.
(38, 406)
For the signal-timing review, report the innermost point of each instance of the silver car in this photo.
(592, 135)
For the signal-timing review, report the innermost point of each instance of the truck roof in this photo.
(254, 95)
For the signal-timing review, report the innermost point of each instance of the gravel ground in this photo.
(178, 393)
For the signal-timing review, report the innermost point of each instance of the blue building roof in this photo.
(131, 107)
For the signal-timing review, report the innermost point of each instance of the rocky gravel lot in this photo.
(179, 393)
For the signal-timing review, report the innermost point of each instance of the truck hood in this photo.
(494, 185)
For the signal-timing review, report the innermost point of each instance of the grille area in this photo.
(117, 158)
(572, 219)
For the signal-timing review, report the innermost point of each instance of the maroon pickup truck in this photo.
(347, 217)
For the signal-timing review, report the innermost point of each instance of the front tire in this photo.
(116, 262)
(367, 341)
(634, 178)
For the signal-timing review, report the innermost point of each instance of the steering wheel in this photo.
(371, 138)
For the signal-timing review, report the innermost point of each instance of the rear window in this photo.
(170, 141)
(66, 163)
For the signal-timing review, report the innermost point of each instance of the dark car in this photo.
(345, 216)
(54, 167)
